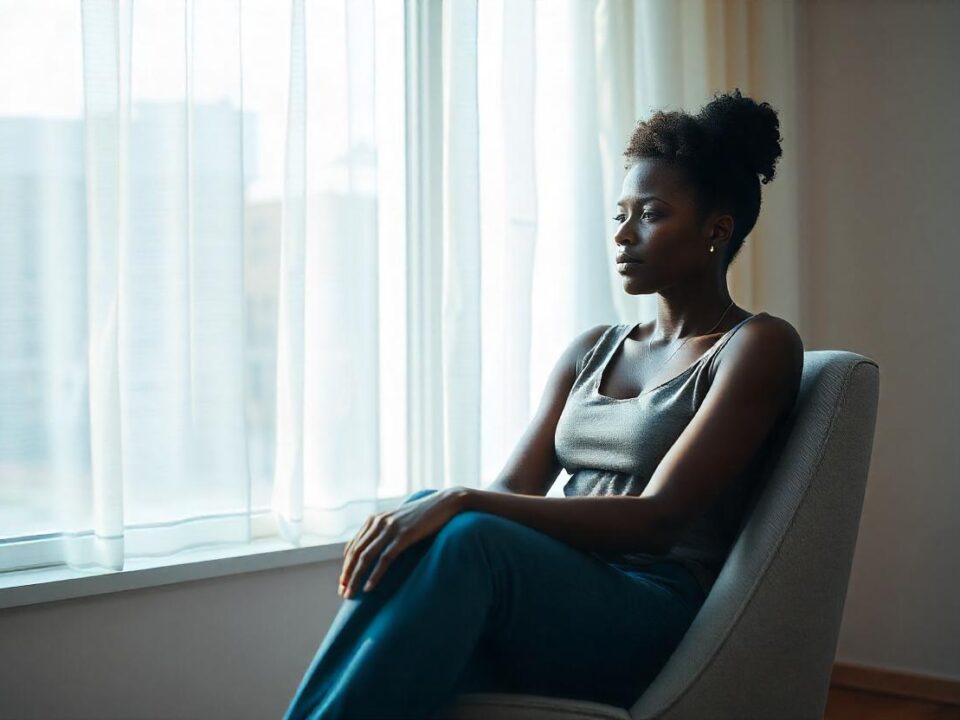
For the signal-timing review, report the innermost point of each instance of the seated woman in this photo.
(659, 424)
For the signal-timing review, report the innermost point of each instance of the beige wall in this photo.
(228, 647)
(880, 112)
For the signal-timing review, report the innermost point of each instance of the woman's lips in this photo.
(628, 266)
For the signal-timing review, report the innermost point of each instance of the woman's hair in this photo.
(722, 149)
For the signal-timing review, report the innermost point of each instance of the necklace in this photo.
(687, 340)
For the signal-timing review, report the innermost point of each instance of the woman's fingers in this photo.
(353, 540)
(354, 546)
(386, 557)
(364, 559)
(363, 541)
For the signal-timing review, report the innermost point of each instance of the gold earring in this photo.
(711, 248)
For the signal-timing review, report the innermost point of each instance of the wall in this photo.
(229, 647)
(881, 154)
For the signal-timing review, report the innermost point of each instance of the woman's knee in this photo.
(414, 496)
(473, 525)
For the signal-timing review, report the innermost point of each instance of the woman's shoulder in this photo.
(592, 337)
(772, 328)
(585, 344)
(764, 343)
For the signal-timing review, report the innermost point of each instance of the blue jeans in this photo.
(491, 605)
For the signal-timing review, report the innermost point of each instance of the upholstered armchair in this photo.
(763, 644)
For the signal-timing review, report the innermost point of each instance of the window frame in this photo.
(35, 576)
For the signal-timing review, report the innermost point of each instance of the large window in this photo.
(268, 267)
(147, 169)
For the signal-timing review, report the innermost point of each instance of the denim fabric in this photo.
(491, 605)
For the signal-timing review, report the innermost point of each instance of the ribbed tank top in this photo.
(611, 446)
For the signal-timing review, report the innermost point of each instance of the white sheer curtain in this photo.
(268, 267)
(328, 446)
(193, 274)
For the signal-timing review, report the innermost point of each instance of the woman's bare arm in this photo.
(613, 524)
(756, 384)
(533, 466)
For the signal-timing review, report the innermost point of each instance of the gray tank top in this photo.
(611, 446)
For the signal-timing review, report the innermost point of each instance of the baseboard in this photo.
(895, 682)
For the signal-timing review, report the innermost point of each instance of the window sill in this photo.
(42, 585)
(266, 551)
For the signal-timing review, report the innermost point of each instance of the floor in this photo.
(844, 704)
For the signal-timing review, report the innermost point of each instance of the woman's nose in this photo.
(623, 236)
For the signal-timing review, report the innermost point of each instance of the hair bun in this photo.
(744, 131)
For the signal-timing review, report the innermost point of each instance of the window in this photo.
(145, 180)
(266, 268)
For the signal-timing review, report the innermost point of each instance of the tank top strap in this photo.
(718, 345)
(613, 337)
(601, 347)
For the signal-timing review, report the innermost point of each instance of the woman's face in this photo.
(659, 228)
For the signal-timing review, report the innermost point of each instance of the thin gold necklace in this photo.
(654, 374)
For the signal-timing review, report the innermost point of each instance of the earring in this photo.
(711, 248)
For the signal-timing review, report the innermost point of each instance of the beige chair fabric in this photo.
(763, 644)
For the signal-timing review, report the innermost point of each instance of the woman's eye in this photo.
(622, 218)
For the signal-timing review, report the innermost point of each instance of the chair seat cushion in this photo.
(512, 706)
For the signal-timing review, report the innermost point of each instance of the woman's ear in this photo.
(721, 229)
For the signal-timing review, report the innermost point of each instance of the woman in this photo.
(660, 425)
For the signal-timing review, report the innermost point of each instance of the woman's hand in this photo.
(387, 534)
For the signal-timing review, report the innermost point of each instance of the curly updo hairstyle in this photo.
(724, 150)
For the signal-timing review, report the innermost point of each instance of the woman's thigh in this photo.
(564, 622)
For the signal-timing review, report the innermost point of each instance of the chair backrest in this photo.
(763, 644)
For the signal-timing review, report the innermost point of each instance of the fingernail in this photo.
(367, 587)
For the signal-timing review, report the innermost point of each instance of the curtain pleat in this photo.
(287, 499)
(461, 249)
(509, 237)
(616, 53)
(94, 499)
(775, 240)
